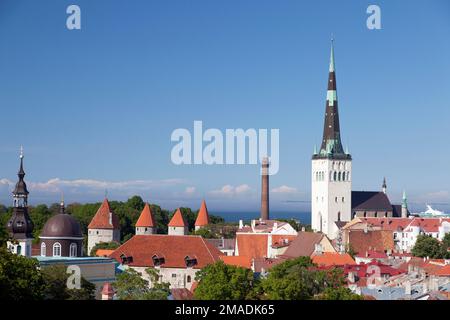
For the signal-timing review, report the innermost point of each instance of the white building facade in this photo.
(331, 184)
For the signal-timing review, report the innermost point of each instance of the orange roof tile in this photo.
(332, 259)
(146, 218)
(252, 245)
(104, 218)
(174, 250)
(104, 252)
(178, 220)
(203, 216)
(238, 261)
(376, 240)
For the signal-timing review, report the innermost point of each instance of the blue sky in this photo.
(95, 108)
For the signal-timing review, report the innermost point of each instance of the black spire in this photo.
(331, 143)
(20, 225)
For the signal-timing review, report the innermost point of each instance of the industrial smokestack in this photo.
(265, 189)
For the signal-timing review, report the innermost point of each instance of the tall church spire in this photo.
(20, 226)
(331, 143)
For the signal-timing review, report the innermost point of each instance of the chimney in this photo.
(275, 226)
(241, 224)
(318, 249)
(408, 288)
(351, 277)
(265, 189)
(253, 224)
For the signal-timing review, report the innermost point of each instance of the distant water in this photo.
(303, 217)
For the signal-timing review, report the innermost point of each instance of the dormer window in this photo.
(126, 259)
(158, 261)
(190, 261)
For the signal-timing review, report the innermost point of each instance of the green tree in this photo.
(131, 286)
(20, 278)
(299, 279)
(55, 279)
(104, 245)
(427, 246)
(340, 293)
(219, 281)
(205, 233)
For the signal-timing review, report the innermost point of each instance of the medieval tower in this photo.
(331, 169)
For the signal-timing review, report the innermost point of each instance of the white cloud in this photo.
(284, 189)
(90, 186)
(190, 190)
(229, 190)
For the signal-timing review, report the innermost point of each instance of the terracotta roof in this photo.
(282, 240)
(104, 218)
(444, 271)
(266, 263)
(304, 244)
(238, 261)
(377, 240)
(263, 226)
(178, 220)
(332, 259)
(181, 294)
(252, 245)
(146, 218)
(203, 216)
(373, 254)
(104, 252)
(174, 250)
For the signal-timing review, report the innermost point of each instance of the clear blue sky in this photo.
(95, 108)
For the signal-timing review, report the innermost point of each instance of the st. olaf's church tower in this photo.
(331, 169)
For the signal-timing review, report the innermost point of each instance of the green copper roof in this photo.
(332, 56)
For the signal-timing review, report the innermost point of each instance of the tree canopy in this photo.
(219, 281)
(20, 278)
(130, 285)
(427, 246)
(299, 279)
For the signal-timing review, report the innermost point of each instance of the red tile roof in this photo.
(281, 240)
(377, 240)
(203, 216)
(332, 259)
(178, 220)
(146, 218)
(267, 263)
(181, 294)
(373, 254)
(104, 218)
(303, 245)
(252, 245)
(444, 271)
(174, 250)
(104, 252)
(238, 261)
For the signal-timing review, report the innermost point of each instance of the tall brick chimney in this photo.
(265, 189)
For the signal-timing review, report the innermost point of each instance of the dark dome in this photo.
(62, 226)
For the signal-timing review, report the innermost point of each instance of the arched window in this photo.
(57, 249)
(339, 176)
(188, 278)
(19, 249)
(73, 250)
(365, 214)
(43, 249)
(320, 222)
(335, 176)
(339, 216)
(343, 176)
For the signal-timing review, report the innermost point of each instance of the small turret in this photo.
(404, 206)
